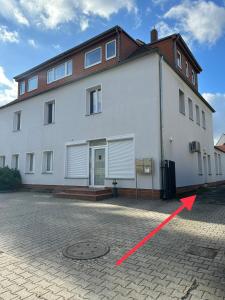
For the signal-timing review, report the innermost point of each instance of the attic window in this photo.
(60, 71)
(110, 49)
(193, 76)
(179, 59)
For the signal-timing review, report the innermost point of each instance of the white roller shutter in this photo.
(77, 161)
(121, 159)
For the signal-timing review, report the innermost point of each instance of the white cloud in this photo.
(8, 36)
(8, 88)
(10, 9)
(217, 100)
(203, 21)
(32, 43)
(52, 13)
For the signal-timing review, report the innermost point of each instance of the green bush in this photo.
(10, 179)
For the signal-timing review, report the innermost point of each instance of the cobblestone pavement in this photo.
(34, 228)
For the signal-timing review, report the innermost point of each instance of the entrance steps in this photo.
(85, 193)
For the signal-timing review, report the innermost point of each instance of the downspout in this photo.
(118, 44)
(161, 126)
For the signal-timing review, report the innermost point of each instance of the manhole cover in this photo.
(202, 251)
(86, 250)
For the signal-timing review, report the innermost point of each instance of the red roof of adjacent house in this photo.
(221, 148)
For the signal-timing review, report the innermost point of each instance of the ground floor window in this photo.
(15, 161)
(199, 163)
(48, 162)
(2, 161)
(30, 163)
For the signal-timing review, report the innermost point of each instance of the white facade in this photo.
(128, 128)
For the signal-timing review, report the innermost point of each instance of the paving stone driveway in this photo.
(34, 228)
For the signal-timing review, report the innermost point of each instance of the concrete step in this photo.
(82, 196)
(87, 191)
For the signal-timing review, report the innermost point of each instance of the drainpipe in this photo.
(118, 44)
(161, 125)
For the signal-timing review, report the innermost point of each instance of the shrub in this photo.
(10, 179)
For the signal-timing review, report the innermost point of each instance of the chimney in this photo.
(154, 35)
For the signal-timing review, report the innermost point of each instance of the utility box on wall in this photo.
(144, 166)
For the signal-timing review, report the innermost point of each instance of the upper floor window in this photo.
(93, 57)
(179, 59)
(2, 161)
(60, 71)
(181, 102)
(15, 161)
(110, 49)
(49, 113)
(17, 121)
(94, 100)
(22, 87)
(203, 120)
(30, 163)
(32, 83)
(190, 106)
(187, 69)
(197, 114)
(48, 162)
(193, 76)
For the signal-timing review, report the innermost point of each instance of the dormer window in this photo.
(32, 83)
(110, 50)
(179, 59)
(22, 87)
(93, 57)
(60, 71)
(193, 76)
(187, 69)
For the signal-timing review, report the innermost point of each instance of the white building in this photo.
(83, 118)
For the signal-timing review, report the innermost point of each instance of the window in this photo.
(219, 165)
(203, 120)
(22, 87)
(179, 59)
(193, 76)
(49, 112)
(209, 165)
(32, 83)
(110, 50)
(2, 161)
(47, 162)
(199, 164)
(197, 114)
(181, 102)
(15, 161)
(77, 161)
(93, 57)
(60, 71)
(30, 163)
(216, 164)
(190, 106)
(187, 69)
(94, 101)
(17, 121)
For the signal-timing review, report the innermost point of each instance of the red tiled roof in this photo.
(221, 148)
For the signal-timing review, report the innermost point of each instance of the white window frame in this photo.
(15, 120)
(198, 115)
(30, 90)
(28, 155)
(200, 166)
(190, 109)
(44, 162)
(106, 51)
(203, 120)
(179, 61)
(46, 112)
(66, 74)
(88, 100)
(96, 63)
(12, 161)
(187, 69)
(3, 158)
(22, 83)
(183, 112)
(209, 165)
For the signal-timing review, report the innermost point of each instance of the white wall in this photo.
(182, 131)
(130, 106)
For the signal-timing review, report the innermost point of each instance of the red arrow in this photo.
(187, 203)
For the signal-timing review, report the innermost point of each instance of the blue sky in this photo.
(32, 31)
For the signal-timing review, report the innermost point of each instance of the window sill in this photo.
(97, 63)
(182, 113)
(15, 130)
(48, 124)
(93, 114)
(29, 173)
(111, 57)
(47, 173)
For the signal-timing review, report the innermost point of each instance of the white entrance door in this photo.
(97, 166)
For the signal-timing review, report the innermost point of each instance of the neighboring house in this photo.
(85, 116)
(221, 140)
